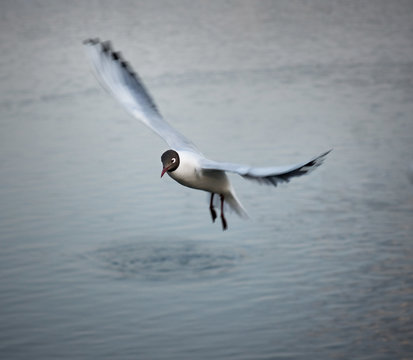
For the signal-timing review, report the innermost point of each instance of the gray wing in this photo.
(266, 175)
(119, 79)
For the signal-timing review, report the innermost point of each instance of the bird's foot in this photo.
(224, 223)
(211, 208)
(213, 214)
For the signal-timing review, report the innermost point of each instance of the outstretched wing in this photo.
(119, 79)
(266, 175)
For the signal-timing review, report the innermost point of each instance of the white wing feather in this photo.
(119, 79)
(266, 175)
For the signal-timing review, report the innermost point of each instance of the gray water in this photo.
(102, 259)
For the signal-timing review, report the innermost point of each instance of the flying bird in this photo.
(183, 162)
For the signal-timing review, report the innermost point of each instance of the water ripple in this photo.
(161, 260)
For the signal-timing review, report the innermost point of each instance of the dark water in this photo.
(102, 259)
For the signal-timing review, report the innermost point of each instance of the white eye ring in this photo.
(173, 160)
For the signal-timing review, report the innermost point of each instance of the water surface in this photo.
(100, 258)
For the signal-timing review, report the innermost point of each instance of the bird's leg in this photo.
(211, 208)
(224, 222)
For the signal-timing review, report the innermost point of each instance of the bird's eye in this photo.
(173, 160)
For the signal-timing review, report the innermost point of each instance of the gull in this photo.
(183, 162)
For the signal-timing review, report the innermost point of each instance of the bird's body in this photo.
(190, 174)
(183, 162)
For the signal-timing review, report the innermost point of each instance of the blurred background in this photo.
(100, 258)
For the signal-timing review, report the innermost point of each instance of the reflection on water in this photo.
(100, 258)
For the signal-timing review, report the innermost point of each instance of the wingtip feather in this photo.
(91, 41)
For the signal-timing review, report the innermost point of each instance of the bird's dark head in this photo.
(170, 161)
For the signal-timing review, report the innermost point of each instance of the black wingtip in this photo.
(106, 51)
(106, 46)
(117, 56)
(91, 41)
(314, 163)
(328, 152)
(319, 160)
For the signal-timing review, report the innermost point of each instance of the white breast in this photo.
(189, 173)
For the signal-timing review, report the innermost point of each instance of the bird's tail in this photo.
(231, 199)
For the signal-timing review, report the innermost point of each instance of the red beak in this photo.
(164, 170)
